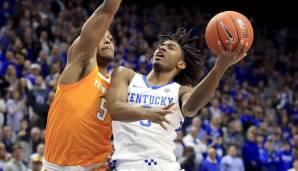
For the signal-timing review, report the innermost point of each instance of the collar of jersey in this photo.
(154, 86)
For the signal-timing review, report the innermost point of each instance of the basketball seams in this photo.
(212, 35)
(234, 24)
(218, 33)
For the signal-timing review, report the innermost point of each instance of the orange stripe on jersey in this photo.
(79, 127)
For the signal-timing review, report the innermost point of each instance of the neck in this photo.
(232, 156)
(103, 66)
(159, 77)
(17, 159)
(211, 159)
(102, 70)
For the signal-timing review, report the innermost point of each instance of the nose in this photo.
(107, 41)
(161, 48)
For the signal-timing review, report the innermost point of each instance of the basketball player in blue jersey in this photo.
(146, 140)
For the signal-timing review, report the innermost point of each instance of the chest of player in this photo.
(139, 94)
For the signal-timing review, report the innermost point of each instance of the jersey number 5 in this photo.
(103, 111)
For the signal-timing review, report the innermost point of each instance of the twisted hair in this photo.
(193, 72)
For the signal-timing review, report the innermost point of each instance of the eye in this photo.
(171, 47)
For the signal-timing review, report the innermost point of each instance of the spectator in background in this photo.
(36, 164)
(2, 110)
(187, 161)
(38, 155)
(269, 158)
(214, 130)
(285, 127)
(52, 79)
(277, 139)
(4, 156)
(231, 162)
(42, 61)
(55, 56)
(32, 76)
(225, 106)
(4, 85)
(215, 108)
(295, 166)
(247, 118)
(16, 163)
(26, 67)
(24, 132)
(30, 146)
(44, 42)
(11, 75)
(294, 111)
(205, 118)
(39, 104)
(233, 135)
(15, 109)
(219, 147)
(191, 140)
(7, 60)
(286, 156)
(179, 145)
(250, 153)
(196, 122)
(5, 12)
(8, 138)
(210, 163)
(260, 141)
(35, 139)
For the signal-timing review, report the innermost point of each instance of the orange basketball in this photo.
(226, 25)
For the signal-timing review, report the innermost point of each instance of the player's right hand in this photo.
(158, 115)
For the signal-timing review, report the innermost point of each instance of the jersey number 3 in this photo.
(103, 111)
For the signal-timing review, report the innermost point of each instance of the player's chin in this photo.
(107, 56)
(158, 64)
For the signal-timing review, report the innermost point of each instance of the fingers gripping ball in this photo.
(229, 28)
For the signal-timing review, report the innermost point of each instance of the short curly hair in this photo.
(191, 75)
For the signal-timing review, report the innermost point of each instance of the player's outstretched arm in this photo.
(93, 31)
(195, 99)
(121, 110)
(81, 56)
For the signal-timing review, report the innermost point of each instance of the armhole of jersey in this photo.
(65, 86)
(133, 78)
(180, 105)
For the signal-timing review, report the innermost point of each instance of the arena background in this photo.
(255, 107)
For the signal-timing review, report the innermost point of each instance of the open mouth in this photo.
(159, 55)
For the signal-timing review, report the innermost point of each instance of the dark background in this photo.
(277, 13)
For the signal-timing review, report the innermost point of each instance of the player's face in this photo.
(169, 55)
(106, 47)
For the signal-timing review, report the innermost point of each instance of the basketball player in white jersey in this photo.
(141, 143)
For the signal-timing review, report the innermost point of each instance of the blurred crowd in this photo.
(250, 124)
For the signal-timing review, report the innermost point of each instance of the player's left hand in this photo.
(228, 57)
(158, 115)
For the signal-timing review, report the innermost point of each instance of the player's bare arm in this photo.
(121, 110)
(82, 53)
(193, 99)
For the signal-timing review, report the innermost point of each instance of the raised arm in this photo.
(81, 57)
(194, 99)
(94, 30)
(117, 101)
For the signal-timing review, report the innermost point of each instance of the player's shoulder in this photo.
(123, 72)
(185, 89)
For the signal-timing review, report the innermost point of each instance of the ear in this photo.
(181, 65)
